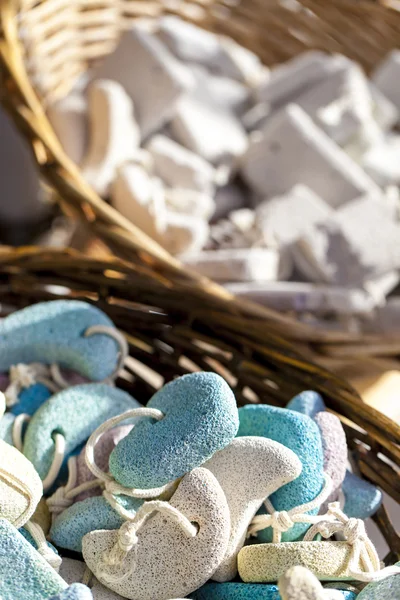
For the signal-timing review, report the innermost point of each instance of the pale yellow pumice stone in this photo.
(114, 133)
(20, 486)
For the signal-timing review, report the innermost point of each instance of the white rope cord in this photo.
(111, 486)
(119, 338)
(363, 550)
(48, 554)
(282, 521)
(128, 537)
(17, 430)
(58, 458)
(23, 376)
(64, 496)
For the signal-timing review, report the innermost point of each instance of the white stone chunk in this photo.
(256, 117)
(287, 296)
(340, 104)
(385, 112)
(288, 80)
(380, 287)
(214, 134)
(382, 161)
(223, 92)
(247, 264)
(184, 233)
(360, 243)
(179, 167)
(386, 77)
(188, 42)
(292, 149)
(237, 62)
(150, 74)
(69, 119)
(284, 219)
(140, 198)
(228, 198)
(114, 134)
(190, 202)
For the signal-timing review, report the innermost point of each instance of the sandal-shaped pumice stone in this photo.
(141, 57)
(200, 418)
(53, 332)
(248, 470)
(20, 486)
(140, 198)
(169, 564)
(114, 134)
(69, 120)
(77, 520)
(76, 591)
(179, 167)
(264, 563)
(75, 413)
(24, 573)
(299, 433)
(382, 590)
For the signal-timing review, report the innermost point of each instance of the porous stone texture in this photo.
(249, 470)
(76, 591)
(382, 590)
(362, 499)
(335, 450)
(201, 417)
(168, 563)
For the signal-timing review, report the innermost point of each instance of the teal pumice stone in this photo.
(200, 418)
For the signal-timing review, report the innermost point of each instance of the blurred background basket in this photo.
(168, 337)
(45, 45)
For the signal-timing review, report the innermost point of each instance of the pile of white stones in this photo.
(251, 176)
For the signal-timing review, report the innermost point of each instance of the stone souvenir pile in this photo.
(281, 184)
(104, 498)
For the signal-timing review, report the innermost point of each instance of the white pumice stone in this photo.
(184, 233)
(228, 198)
(167, 563)
(223, 92)
(114, 134)
(288, 80)
(69, 119)
(256, 117)
(249, 470)
(292, 149)
(382, 161)
(140, 198)
(141, 57)
(340, 104)
(214, 134)
(360, 243)
(179, 167)
(188, 42)
(298, 583)
(386, 77)
(190, 202)
(384, 111)
(287, 296)
(237, 62)
(304, 207)
(71, 570)
(243, 264)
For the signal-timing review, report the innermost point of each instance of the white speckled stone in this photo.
(292, 149)
(151, 76)
(169, 564)
(265, 563)
(298, 583)
(17, 503)
(72, 571)
(249, 470)
(114, 134)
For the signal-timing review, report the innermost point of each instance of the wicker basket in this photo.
(46, 44)
(168, 337)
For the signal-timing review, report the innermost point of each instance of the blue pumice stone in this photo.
(200, 418)
(308, 403)
(53, 332)
(76, 591)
